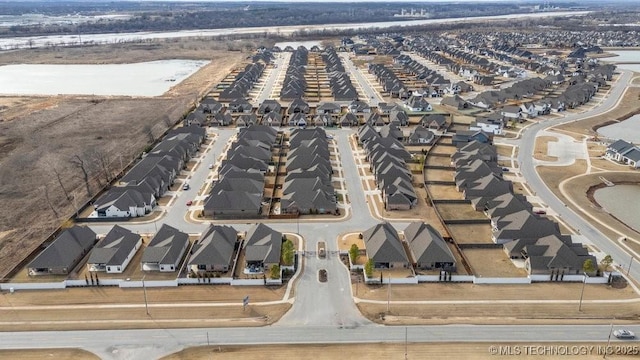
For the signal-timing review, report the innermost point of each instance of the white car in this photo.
(624, 334)
(210, 166)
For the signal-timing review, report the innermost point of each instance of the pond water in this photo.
(628, 130)
(625, 56)
(152, 78)
(621, 201)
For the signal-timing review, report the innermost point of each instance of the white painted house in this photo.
(113, 253)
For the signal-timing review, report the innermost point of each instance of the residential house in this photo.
(553, 254)
(262, 249)
(113, 253)
(433, 121)
(383, 246)
(64, 253)
(421, 136)
(429, 250)
(165, 251)
(215, 250)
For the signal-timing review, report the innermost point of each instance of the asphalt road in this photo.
(527, 169)
(369, 94)
(149, 344)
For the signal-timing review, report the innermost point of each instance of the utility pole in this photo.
(388, 292)
(405, 342)
(584, 282)
(629, 267)
(608, 340)
(144, 290)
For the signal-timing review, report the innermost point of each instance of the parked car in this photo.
(185, 187)
(210, 166)
(189, 203)
(624, 334)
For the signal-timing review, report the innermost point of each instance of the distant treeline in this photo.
(161, 16)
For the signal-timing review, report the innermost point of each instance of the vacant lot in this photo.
(51, 139)
(471, 233)
(459, 212)
(492, 263)
(37, 354)
(541, 151)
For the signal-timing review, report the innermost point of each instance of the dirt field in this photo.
(459, 351)
(41, 136)
(38, 354)
(471, 233)
(553, 175)
(541, 150)
(492, 263)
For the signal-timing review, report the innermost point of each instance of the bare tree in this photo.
(167, 120)
(102, 160)
(148, 129)
(80, 163)
(61, 183)
(45, 188)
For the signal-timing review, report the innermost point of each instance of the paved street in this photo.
(527, 168)
(365, 87)
(150, 344)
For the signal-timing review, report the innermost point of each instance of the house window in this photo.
(202, 267)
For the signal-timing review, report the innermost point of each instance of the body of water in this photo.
(140, 79)
(626, 56)
(61, 40)
(621, 201)
(628, 130)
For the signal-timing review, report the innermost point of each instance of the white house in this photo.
(113, 253)
(491, 126)
(165, 250)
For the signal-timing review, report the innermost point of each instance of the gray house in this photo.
(384, 247)
(165, 250)
(64, 253)
(262, 249)
(428, 248)
(215, 250)
(113, 253)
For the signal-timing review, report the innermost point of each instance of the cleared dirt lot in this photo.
(41, 136)
(541, 150)
(37, 354)
(492, 263)
(471, 233)
(451, 350)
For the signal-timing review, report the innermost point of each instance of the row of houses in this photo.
(136, 193)
(214, 251)
(339, 81)
(427, 250)
(387, 158)
(390, 83)
(242, 83)
(308, 187)
(239, 188)
(294, 84)
(524, 235)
